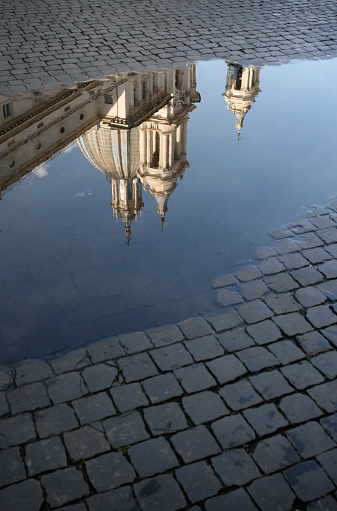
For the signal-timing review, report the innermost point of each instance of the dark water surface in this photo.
(70, 274)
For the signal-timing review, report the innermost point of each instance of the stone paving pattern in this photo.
(45, 42)
(236, 410)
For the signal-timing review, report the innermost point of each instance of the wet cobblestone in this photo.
(213, 407)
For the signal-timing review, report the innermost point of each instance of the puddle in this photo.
(123, 199)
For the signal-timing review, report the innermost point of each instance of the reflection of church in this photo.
(153, 153)
(131, 126)
(242, 87)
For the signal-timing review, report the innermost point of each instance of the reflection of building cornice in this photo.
(38, 113)
(140, 112)
(15, 176)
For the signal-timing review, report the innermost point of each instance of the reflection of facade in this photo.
(242, 87)
(132, 127)
(154, 153)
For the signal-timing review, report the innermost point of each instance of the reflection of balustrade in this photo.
(150, 104)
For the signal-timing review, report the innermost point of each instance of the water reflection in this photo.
(242, 87)
(67, 277)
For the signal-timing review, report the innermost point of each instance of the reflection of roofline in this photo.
(40, 111)
(139, 116)
(39, 159)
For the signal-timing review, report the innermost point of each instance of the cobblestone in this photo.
(219, 410)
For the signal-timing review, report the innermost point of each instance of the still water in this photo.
(122, 200)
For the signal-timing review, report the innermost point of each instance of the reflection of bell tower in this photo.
(163, 139)
(242, 87)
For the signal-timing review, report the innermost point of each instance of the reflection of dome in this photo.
(112, 151)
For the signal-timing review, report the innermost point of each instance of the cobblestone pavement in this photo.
(236, 410)
(43, 42)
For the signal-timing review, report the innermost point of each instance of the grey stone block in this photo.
(99, 377)
(165, 335)
(326, 503)
(107, 349)
(281, 283)
(71, 362)
(321, 316)
(275, 453)
(329, 289)
(226, 368)
(272, 492)
(302, 375)
(313, 343)
(45, 455)
(299, 408)
(137, 367)
(12, 469)
(237, 500)
(271, 384)
(293, 261)
(228, 297)
(135, 342)
(325, 396)
(194, 327)
(204, 348)
(204, 407)
(287, 246)
(271, 266)
(310, 439)
(28, 398)
(5, 378)
(293, 324)
(64, 486)
(161, 388)
(125, 429)
(264, 332)
(249, 274)
(330, 425)
(4, 408)
(85, 442)
(195, 444)
(93, 408)
(326, 363)
(16, 430)
(308, 481)
(165, 418)
(194, 378)
(316, 255)
(286, 351)
(152, 457)
(257, 358)
(171, 357)
(283, 303)
(254, 311)
(240, 395)
(122, 499)
(331, 334)
(153, 494)
(235, 340)
(224, 281)
(265, 419)
(109, 471)
(235, 468)
(198, 481)
(29, 492)
(307, 276)
(232, 431)
(328, 460)
(328, 235)
(224, 321)
(66, 387)
(253, 290)
(128, 397)
(30, 371)
(55, 420)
